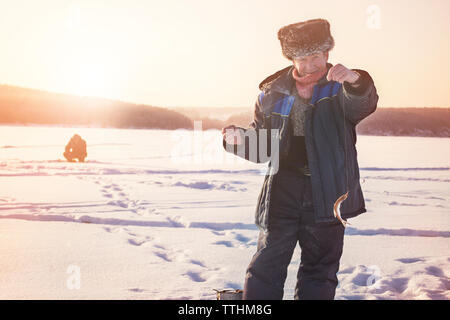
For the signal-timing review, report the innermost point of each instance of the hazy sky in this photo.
(215, 53)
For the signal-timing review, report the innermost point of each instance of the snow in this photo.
(157, 214)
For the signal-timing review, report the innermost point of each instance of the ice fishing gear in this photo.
(229, 294)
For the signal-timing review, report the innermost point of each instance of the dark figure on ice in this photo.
(76, 149)
(308, 112)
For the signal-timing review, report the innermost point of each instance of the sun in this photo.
(90, 80)
(88, 63)
(88, 70)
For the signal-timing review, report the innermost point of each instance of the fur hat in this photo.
(305, 38)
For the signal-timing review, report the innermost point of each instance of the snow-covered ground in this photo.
(157, 214)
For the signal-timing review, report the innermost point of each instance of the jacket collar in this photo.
(282, 81)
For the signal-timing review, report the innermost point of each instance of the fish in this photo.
(337, 211)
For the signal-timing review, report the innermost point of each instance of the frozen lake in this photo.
(157, 214)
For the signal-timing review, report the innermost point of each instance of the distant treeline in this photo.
(30, 106)
(419, 122)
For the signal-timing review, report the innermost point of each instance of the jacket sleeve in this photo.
(69, 145)
(359, 102)
(252, 136)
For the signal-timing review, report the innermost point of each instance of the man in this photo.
(75, 149)
(314, 106)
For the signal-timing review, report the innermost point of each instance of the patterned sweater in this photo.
(297, 150)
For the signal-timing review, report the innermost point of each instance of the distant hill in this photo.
(212, 117)
(217, 113)
(419, 122)
(29, 106)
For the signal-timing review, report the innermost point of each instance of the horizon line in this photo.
(168, 107)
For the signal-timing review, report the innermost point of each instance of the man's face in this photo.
(311, 63)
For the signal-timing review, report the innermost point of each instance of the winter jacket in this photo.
(77, 147)
(330, 136)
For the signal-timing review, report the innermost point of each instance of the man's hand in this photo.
(339, 73)
(232, 135)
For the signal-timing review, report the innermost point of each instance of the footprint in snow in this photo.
(195, 276)
(139, 242)
(410, 260)
(163, 256)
